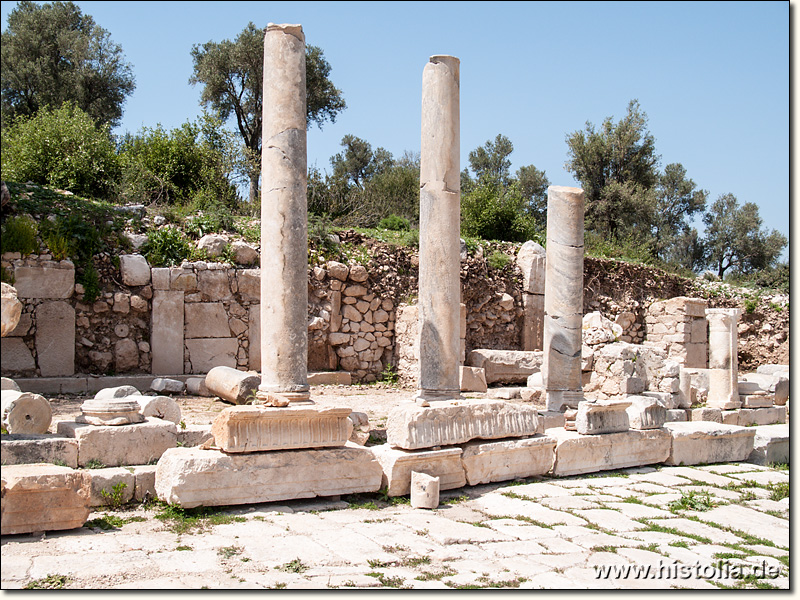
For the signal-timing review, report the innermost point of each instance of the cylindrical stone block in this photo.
(723, 364)
(24, 412)
(232, 385)
(440, 218)
(284, 235)
(563, 297)
(424, 490)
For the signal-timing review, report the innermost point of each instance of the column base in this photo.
(424, 397)
(560, 400)
(272, 398)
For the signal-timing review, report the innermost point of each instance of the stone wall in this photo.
(187, 319)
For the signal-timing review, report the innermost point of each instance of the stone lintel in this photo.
(412, 427)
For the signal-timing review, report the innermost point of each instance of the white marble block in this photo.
(120, 445)
(707, 442)
(412, 427)
(577, 454)
(398, 465)
(502, 460)
(602, 417)
(193, 477)
(771, 445)
(646, 413)
(424, 490)
(43, 497)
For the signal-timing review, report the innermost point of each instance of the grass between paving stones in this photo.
(51, 582)
(230, 551)
(107, 522)
(194, 520)
(293, 566)
(650, 526)
(612, 549)
(693, 500)
(485, 582)
(436, 575)
(390, 582)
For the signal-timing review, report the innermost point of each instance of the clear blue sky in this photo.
(712, 77)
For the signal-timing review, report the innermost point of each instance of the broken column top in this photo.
(292, 29)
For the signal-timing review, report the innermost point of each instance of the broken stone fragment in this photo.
(424, 490)
(232, 385)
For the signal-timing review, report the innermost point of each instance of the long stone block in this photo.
(706, 442)
(27, 449)
(577, 454)
(44, 282)
(166, 338)
(105, 480)
(330, 378)
(43, 498)
(259, 428)
(761, 416)
(771, 445)
(398, 465)
(506, 366)
(485, 462)
(411, 426)
(15, 356)
(114, 446)
(192, 477)
(55, 339)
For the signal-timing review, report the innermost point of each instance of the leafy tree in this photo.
(232, 74)
(63, 148)
(51, 54)
(490, 161)
(358, 163)
(533, 185)
(365, 185)
(617, 168)
(492, 168)
(735, 240)
(677, 199)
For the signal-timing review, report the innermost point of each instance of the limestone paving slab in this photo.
(765, 505)
(665, 477)
(698, 474)
(764, 477)
(687, 526)
(536, 490)
(501, 506)
(610, 520)
(639, 511)
(519, 529)
(567, 503)
(748, 520)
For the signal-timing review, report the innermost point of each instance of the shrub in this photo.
(498, 260)
(176, 167)
(166, 247)
(492, 213)
(394, 223)
(63, 148)
(19, 235)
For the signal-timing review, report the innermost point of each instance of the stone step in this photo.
(707, 442)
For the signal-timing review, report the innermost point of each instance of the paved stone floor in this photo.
(712, 526)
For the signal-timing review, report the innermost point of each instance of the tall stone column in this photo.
(563, 298)
(723, 363)
(284, 235)
(440, 219)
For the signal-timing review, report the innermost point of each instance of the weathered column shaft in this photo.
(723, 363)
(284, 235)
(440, 219)
(563, 298)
